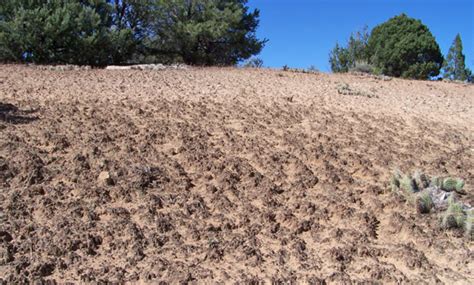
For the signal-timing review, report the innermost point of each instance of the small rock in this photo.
(105, 178)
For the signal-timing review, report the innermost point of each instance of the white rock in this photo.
(105, 178)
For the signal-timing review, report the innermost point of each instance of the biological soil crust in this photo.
(226, 175)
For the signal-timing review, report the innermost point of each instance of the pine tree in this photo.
(339, 59)
(343, 59)
(101, 32)
(206, 32)
(454, 66)
(357, 46)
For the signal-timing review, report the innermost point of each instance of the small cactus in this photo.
(436, 181)
(449, 222)
(394, 183)
(424, 203)
(468, 224)
(421, 179)
(459, 186)
(408, 184)
(449, 184)
(395, 180)
(454, 217)
(453, 184)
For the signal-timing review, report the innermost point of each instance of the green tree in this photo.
(404, 47)
(66, 31)
(99, 32)
(205, 32)
(339, 59)
(357, 46)
(454, 67)
(342, 59)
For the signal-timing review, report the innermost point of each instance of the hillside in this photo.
(222, 174)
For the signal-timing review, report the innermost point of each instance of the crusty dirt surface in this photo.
(226, 175)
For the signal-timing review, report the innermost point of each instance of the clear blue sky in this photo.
(302, 32)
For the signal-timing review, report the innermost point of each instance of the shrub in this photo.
(362, 66)
(345, 89)
(313, 69)
(253, 62)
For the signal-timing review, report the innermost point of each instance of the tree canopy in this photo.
(404, 47)
(100, 32)
(400, 47)
(454, 66)
(342, 59)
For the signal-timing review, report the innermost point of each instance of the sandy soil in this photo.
(226, 175)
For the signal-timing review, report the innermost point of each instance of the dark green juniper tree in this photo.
(404, 47)
(205, 32)
(454, 66)
(100, 32)
(62, 31)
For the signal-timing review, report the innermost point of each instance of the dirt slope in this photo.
(226, 175)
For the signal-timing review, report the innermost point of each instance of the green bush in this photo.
(312, 69)
(363, 67)
(404, 47)
(253, 62)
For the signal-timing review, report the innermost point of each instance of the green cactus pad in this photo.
(436, 181)
(454, 217)
(449, 184)
(424, 203)
(468, 225)
(421, 179)
(395, 182)
(459, 185)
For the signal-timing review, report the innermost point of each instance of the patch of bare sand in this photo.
(223, 175)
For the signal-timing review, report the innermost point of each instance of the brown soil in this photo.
(226, 175)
